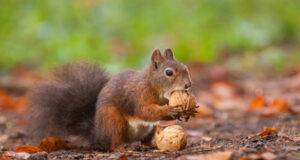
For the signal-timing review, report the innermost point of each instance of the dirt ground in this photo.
(234, 110)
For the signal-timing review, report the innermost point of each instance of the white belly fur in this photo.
(137, 129)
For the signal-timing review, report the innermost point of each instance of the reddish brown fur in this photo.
(65, 104)
(129, 95)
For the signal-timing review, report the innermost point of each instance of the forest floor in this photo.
(241, 117)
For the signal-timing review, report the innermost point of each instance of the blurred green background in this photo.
(245, 34)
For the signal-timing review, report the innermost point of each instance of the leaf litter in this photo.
(239, 118)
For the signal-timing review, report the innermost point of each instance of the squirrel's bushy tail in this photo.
(65, 105)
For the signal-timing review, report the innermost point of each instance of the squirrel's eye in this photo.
(169, 73)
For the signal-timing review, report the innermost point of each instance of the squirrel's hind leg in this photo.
(147, 141)
(110, 129)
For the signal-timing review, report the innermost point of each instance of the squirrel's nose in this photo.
(188, 85)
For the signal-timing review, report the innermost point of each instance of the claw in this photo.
(197, 106)
(193, 115)
(187, 119)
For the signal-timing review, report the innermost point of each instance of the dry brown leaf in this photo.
(5, 99)
(51, 144)
(3, 157)
(8, 102)
(214, 156)
(26, 74)
(295, 109)
(123, 157)
(264, 156)
(20, 103)
(29, 149)
(267, 131)
(281, 104)
(271, 109)
(287, 138)
(257, 102)
(223, 89)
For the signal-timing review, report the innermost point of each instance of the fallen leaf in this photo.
(123, 157)
(212, 156)
(6, 155)
(263, 156)
(269, 109)
(206, 138)
(4, 138)
(5, 99)
(20, 103)
(26, 74)
(281, 104)
(228, 104)
(90, 156)
(51, 144)
(257, 102)
(295, 109)
(22, 155)
(267, 131)
(8, 102)
(286, 137)
(5, 158)
(29, 149)
(268, 156)
(223, 89)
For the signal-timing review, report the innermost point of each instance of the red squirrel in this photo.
(83, 99)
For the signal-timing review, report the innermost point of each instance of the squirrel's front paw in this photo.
(175, 112)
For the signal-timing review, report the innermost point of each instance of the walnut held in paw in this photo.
(171, 138)
(184, 101)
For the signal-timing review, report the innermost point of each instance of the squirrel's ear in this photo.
(156, 58)
(169, 54)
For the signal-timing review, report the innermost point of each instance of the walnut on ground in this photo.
(171, 138)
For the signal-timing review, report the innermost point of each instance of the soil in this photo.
(226, 125)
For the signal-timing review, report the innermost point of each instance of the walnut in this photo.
(184, 101)
(171, 138)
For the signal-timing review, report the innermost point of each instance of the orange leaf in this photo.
(286, 137)
(267, 131)
(5, 99)
(222, 155)
(8, 102)
(29, 149)
(5, 158)
(281, 104)
(257, 102)
(20, 103)
(52, 144)
(123, 157)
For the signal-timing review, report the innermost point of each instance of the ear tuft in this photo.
(156, 58)
(169, 54)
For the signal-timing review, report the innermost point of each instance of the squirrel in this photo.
(84, 100)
